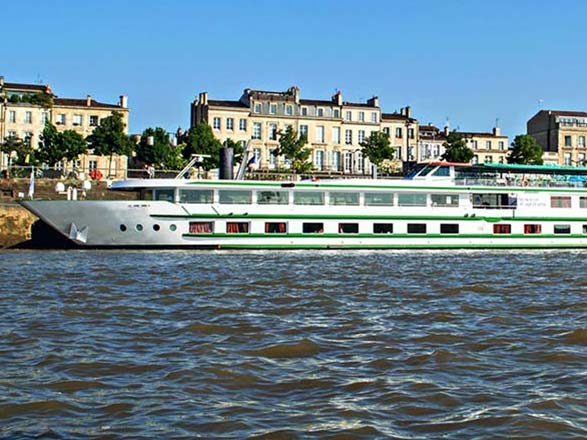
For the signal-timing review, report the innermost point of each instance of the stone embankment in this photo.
(18, 227)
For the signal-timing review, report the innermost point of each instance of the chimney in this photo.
(295, 91)
(496, 131)
(1, 81)
(402, 111)
(88, 101)
(409, 111)
(337, 98)
(446, 129)
(203, 98)
(373, 102)
(123, 101)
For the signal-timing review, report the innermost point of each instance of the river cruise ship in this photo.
(439, 205)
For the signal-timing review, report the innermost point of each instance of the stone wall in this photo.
(15, 225)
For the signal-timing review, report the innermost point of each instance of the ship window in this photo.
(378, 199)
(201, 227)
(344, 198)
(449, 228)
(237, 227)
(172, 227)
(502, 229)
(164, 194)
(532, 229)
(123, 228)
(383, 228)
(308, 198)
(275, 228)
(146, 194)
(234, 197)
(562, 229)
(416, 228)
(560, 201)
(196, 195)
(582, 202)
(411, 199)
(584, 229)
(442, 171)
(139, 227)
(313, 228)
(348, 228)
(494, 201)
(156, 227)
(445, 200)
(272, 197)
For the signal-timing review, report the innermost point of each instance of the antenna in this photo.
(540, 103)
(496, 122)
(39, 80)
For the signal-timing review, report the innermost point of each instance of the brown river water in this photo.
(293, 345)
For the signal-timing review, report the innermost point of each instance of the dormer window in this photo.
(257, 108)
(304, 111)
(320, 112)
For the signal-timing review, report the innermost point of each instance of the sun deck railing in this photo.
(546, 182)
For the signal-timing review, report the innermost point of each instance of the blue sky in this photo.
(469, 61)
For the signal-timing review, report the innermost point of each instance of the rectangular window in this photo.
(494, 201)
(411, 199)
(275, 228)
(28, 117)
(256, 130)
(488, 159)
(501, 145)
(166, 195)
(12, 116)
(348, 228)
(320, 112)
(93, 121)
(374, 117)
(257, 108)
(411, 133)
(308, 198)
(383, 228)
(582, 141)
(488, 145)
(583, 202)
(60, 120)
(216, 123)
(272, 132)
(201, 227)
(532, 229)
(313, 228)
(336, 113)
(502, 229)
(361, 116)
(230, 124)
(416, 228)
(584, 229)
(361, 137)
(320, 134)
(242, 124)
(378, 199)
(304, 111)
(449, 228)
(344, 198)
(234, 197)
(237, 227)
(348, 137)
(562, 229)
(77, 120)
(349, 116)
(336, 135)
(475, 145)
(273, 109)
(568, 141)
(289, 110)
(272, 197)
(398, 132)
(304, 131)
(560, 201)
(196, 195)
(445, 200)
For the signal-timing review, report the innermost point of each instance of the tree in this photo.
(237, 148)
(201, 140)
(153, 146)
(456, 149)
(55, 146)
(525, 150)
(21, 150)
(376, 147)
(294, 149)
(73, 144)
(109, 138)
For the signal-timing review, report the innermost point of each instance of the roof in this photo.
(358, 104)
(396, 117)
(73, 102)
(479, 134)
(316, 102)
(565, 113)
(32, 87)
(232, 104)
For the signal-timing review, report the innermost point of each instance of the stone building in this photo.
(431, 142)
(561, 134)
(489, 147)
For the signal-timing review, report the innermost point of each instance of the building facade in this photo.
(334, 128)
(25, 108)
(490, 147)
(561, 134)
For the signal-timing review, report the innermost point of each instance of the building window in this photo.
(475, 145)
(320, 112)
(449, 228)
(398, 132)
(383, 228)
(256, 130)
(361, 136)
(60, 119)
(374, 117)
(216, 123)
(77, 120)
(488, 159)
(237, 227)
(411, 133)
(319, 159)
(475, 159)
(44, 117)
(582, 141)
(361, 116)
(532, 229)
(398, 152)
(28, 117)
(349, 116)
(320, 134)
(560, 201)
(488, 145)
(348, 228)
(12, 116)
(501, 145)
(313, 228)
(304, 111)
(92, 165)
(242, 125)
(273, 109)
(336, 113)
(562, 229)
(348, 137)
(336, 135)
(304, 131)
(275, 228)
(230, 124)
(386, 131)
(502, 229)
(416, 228)
(11, 134)
(272, 132)
(257, 108)
(93, 121)
(336, 161)
(568, 141)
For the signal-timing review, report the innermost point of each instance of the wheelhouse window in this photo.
(308, 198)
(449, 228)
(532, 229)
(383, 228)
(164, 194)
(196, 195)
(411, 199)
(344, 198)
(201, 227)
(234, 197)
(502, 229)
(275, 228)
(445, 200)
(560, 201)
(494, 201)
(272, 197)
(348, 228)
(416, 228)
(378, 199)
(313, 228)
(562, 229)
(237, 227)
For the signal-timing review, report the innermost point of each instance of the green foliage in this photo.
(294, 149)
(43, 99)
(23, 152)
(236, 148)
(456, 149)
(109, 137)
(73, 144)
(377, 148)
(200, 140)
(525, 150)
(161, 153)
(55, 146)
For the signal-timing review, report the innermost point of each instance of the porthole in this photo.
(123, 228)
(172, 227)
(139, 227)
(156, 227)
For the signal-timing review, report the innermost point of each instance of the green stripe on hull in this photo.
(404, 246)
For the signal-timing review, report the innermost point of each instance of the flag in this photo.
(251, 161)
(32, 184)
